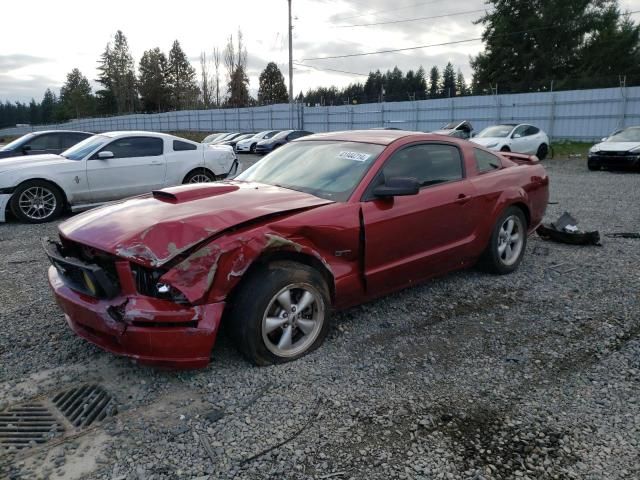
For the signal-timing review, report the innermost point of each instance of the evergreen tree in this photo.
(235, 59)
(461, 84)
(434, 82)
(181, 79)
(76, 98)
(152, 81)
(373, 87)
(272, 87)
(449, 81)
(34, 113)
(529, 43)
(117, 77)
(48, 106)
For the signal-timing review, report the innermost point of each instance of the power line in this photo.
(331, 70)
(418, 47)
(410, 19)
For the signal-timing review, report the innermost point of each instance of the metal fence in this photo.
(571, 115)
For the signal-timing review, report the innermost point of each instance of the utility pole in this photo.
(290, 69)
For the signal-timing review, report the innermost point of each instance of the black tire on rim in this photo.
(592, 166)
(37, 201)
(280, 313)
(507, 244)
(200, 175)
(252, 149)
(543, 150)
(505, 149)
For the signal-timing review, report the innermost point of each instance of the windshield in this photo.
(17, 142)
(326, 169)
(626, 135)
(212, 137)
(496, 131)
(450, 126)
(85, 147)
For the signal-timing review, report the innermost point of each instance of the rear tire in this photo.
(543, 151)
(505, 149)
(200, 175)
(507, 244)
(37, 201)
(265, 322)
(252, 149)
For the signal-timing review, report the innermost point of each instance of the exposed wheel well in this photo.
(49, 182)
(525, 210)
(305, 259)
(505, 149)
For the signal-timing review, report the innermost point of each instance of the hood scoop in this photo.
(188, 193)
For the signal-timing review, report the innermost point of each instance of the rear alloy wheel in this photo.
(280, 313)
(507, 244)
(37, 201)
(252, 149)
(543, 150)
(200, 176)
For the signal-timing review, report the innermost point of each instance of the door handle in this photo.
(156, 162)
(462, 199)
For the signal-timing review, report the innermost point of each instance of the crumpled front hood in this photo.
(154, 228)
(617, 146)
(28, 161)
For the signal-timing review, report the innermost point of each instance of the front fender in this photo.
(212, 271)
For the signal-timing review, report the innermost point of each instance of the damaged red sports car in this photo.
(326, 222)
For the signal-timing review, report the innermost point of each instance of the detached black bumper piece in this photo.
(87, 278)
(622, 160)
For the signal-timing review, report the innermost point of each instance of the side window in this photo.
(520, 131)
(49, 141)
(179, 146)
(429, 163)
(486, 161)
(135, 147)
(531, 130)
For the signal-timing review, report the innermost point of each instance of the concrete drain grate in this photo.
(24, 426)
(85, 405)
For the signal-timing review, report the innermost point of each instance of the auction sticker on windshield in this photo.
(356, 156)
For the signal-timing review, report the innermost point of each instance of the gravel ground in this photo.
(530, 375)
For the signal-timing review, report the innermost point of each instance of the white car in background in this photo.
(103, 168)
(249, 144)
(512, 137)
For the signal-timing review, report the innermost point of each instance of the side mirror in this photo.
(398, 187)
(26, 148)
(105, 154)
(604, 139)
(516, 135)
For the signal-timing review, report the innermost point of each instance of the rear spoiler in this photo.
(520, 158)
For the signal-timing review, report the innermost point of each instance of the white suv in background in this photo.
(511, 137)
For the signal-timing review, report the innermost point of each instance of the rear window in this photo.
(179, 146)
(486, 161)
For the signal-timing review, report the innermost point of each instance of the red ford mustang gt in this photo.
(326, 222)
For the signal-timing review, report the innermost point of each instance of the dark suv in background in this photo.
(36, 143)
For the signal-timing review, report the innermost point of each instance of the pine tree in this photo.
(181, 79)
(76, 98)
(449, 81)
(117, 77)
(48, 106)
(461, 84)
(434, 82)
(152, 81)
(272, 87)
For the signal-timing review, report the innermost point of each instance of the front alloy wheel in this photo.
(293, 320)
(36, 202)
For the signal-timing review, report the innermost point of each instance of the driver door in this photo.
(137, 166)
(411, 238)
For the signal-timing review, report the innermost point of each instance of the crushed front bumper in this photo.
(614, 160)
(149, 330)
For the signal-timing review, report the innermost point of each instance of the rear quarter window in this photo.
(179, 146)
(486, 161)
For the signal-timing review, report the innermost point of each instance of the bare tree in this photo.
(235, 60)
(206, 86)
(216, 64)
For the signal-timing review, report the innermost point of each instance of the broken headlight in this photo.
(148, 283)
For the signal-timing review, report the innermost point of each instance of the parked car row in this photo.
(261, 142)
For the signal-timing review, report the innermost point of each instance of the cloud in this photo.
(12, 62)
(24, 89)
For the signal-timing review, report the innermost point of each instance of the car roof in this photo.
(39, 132)
(380, 137)
(126, 133)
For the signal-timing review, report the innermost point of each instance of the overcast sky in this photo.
(42, 40)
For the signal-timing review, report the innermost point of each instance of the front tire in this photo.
(507, 243)
(280, 313)
(252, 149)
(592, 166)
(505, 149)
(37, 201)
